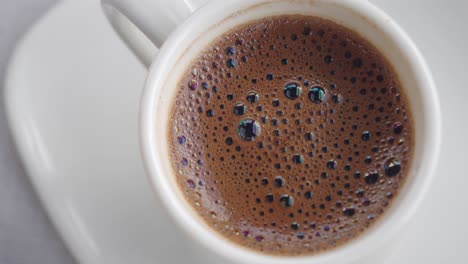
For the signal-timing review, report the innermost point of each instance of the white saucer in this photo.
(73, 91)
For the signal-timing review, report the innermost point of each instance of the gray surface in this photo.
(26, 234)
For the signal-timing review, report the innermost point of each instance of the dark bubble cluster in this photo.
(290, 135)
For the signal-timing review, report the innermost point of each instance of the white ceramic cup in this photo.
(181, 28)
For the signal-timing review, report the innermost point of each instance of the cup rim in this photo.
(228, 249)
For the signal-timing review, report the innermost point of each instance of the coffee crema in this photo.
(290, 135)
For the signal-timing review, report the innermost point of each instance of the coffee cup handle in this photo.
(144, 25)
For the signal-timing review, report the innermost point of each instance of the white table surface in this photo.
(26, 234)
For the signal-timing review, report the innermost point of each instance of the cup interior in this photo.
(220, 16)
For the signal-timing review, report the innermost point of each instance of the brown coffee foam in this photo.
(227, 178)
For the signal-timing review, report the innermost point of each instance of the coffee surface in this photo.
(290, 135)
